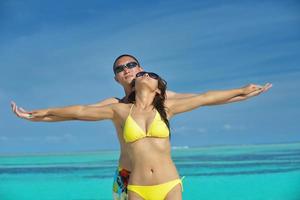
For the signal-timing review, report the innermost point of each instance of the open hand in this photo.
(254, 90)
(20, 112)
(29, 115)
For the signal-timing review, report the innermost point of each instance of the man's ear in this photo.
(116, 79)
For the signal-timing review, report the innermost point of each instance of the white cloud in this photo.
(230, 127)
(29, 139)
(227, 126)
(58, 139)
(202, 130)
(53, 139)
(186, 130)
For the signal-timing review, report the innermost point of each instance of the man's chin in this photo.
(127, 81)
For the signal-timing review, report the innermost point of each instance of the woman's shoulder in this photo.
(121, 106)
(121, 110)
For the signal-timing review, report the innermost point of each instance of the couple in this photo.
(141, 119)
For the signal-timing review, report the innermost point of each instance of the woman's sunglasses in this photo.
(120, 68)
(151, 74)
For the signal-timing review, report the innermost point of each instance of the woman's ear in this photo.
(158, 91)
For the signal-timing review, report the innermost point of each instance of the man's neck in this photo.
(127, 91)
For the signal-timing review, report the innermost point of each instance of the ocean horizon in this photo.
(117, 150)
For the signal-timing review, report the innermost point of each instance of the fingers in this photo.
(20, 112)
(254, 93)
(13, 105)
(267, 87)
(260, 90)
(14, 108)
(23, 110)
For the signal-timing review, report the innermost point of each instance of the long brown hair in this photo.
(158, 101)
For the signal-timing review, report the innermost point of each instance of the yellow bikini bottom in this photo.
(155, 192)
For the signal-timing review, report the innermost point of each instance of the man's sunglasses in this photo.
(120, 68)
(151, 74)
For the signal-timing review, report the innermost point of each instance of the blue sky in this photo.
(55, 53)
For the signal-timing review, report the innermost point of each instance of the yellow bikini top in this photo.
(132, 131)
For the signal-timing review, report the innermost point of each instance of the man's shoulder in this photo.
(110, 100)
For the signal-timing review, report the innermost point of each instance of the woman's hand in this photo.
(29, 115)
(254, 90)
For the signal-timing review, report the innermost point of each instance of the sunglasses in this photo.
(151, 74)
(121, 68)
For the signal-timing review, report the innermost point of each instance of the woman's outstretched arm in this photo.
(245, 96)
(174, 95)
(88, 113)
(176, 106)
(78, 112)
(22, 113)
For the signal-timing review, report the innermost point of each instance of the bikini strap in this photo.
(182, 183)
(131, 109)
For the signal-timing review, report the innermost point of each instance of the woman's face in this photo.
(146, 79)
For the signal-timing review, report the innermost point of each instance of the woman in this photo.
(145, 125)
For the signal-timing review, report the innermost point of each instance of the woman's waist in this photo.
(153, 173)
(124, 162)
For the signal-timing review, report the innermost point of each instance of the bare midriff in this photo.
(151, 161)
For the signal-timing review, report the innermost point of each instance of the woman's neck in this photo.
(144, 99)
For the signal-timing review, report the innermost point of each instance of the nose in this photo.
(146, 74)
(126, 70)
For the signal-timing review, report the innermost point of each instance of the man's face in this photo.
(126, 76)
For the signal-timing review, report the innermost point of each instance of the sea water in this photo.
(252, 172)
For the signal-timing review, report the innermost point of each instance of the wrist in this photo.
(242, 91)
(47, 112)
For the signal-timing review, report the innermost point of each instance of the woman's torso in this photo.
(150, 156)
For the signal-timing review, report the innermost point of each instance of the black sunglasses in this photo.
(151, 74)
(120, 68)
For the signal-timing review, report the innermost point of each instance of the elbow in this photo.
(78, 112)
(208, 99)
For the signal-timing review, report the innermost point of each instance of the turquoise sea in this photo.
(252, 172)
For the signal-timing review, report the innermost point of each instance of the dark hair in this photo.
(158, 101)
(124, 55)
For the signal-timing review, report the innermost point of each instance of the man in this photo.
(125, 69)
